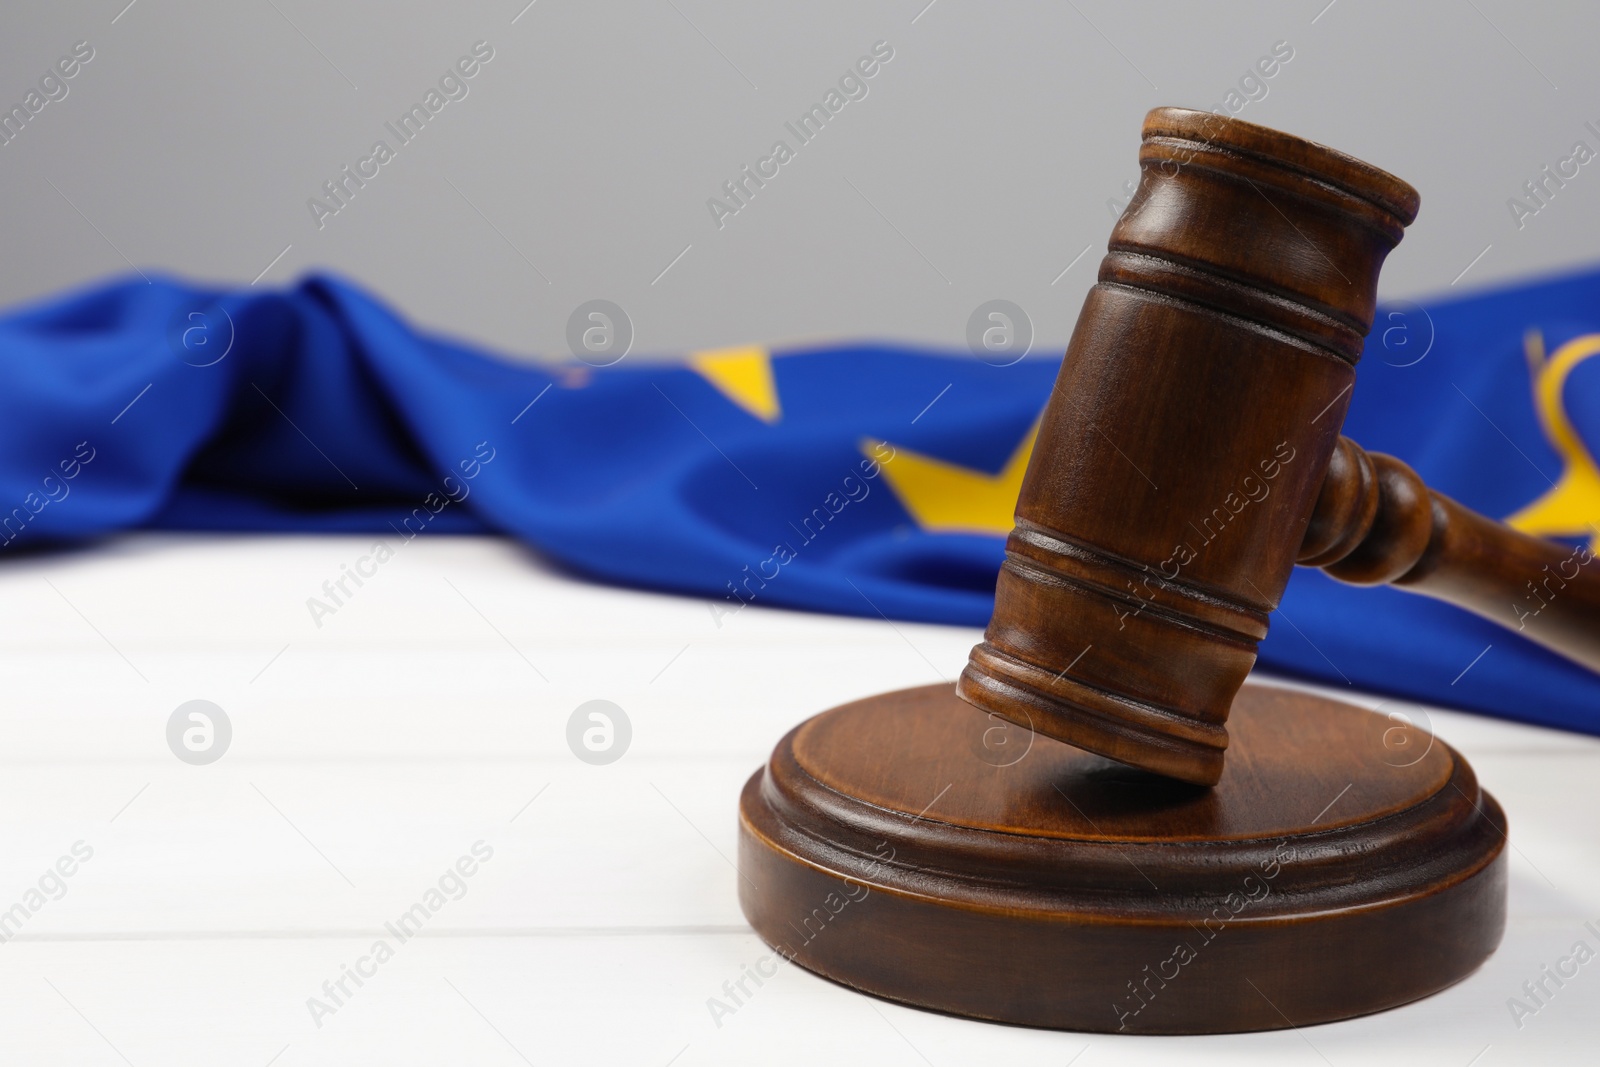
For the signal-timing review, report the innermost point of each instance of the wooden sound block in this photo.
(908, 846)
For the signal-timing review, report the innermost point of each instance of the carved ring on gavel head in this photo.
(1190, 455)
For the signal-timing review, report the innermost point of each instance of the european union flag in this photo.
(865, 479)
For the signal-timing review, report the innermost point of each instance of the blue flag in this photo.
(865, 479)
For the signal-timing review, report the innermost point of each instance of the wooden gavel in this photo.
(1190, 456)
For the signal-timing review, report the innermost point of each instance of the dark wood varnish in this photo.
(1376, 522)
(1340, 862)
(1183, 449)
(907, 847)
(1190, 456)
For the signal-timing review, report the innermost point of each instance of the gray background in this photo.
(978, 167)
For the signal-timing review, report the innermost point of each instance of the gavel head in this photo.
(1186, 440)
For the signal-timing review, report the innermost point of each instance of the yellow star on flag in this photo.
(948, 498)
(744, 376)
(1570, 508)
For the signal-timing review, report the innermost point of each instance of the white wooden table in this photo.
(428, 714)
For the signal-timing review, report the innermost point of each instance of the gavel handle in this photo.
(1375, 522)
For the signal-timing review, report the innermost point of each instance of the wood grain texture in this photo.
(1185, 442)
(1336, 869)
(1375, 522)
(1190, 455)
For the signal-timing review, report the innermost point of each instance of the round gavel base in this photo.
(910, 847)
